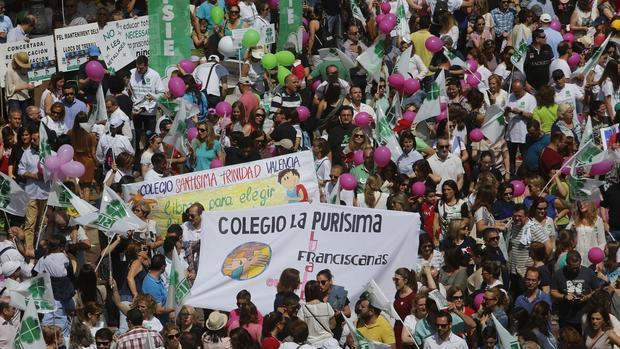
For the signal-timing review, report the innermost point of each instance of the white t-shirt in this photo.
(447, 169)
(570, 94)
(607, 89)
(517, 128)
(323, 168)
(247, 12)
(559, 64)
(189, 232)
(55, 264)
(152, 175)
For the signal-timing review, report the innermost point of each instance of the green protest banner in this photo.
(290, 24)
(169, 33)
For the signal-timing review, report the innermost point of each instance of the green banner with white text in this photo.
(169, 33)
(290, 24)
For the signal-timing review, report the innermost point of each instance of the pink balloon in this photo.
(192, 133)
(476, 135)
(411, 86)
(418, 188)
(472, 65)
(396, 81)
(304, 38)
(223, 108)
(385, 7)
(215, 163)
(362, 119)
(442, 116)
(273, 4)
(386, 27)
(358, 157)
(433, 44)
(596, 255)
(249, 100)
(65, 153)
(478, 300)
(187, 66)
(315, 84)
(474, 79)
(382, 156)
(52, 163)
(464, 85)
(444, 105)
(600, 168)
(303, 113)
(409, 116)
(73, 169)
(556, 25)
(391, 18)
(348, 181)
(94, 70)
(573, 60)
(380, 17)
(519, 188)
(570, 37)
(565, 171)
(176, 86)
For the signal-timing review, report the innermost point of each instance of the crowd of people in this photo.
(504, 241)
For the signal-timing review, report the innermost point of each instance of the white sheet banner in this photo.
(114, 49)
(248, 249)
(72, 45)
(41, 53)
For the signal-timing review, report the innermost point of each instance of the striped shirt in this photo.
(137, 338)
(518, 255)
(284, 100)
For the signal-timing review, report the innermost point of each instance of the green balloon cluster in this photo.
(285, 58)
(269, 61)
(282, 74)
(217, 15)
(250, 38)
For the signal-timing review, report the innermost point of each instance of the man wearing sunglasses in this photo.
(538, 59)
(446, 165)
(444, 338)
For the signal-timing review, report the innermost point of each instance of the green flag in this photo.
(593, 61)
(494, 123)
(169, 33)
(37, 289)
(361, 341)
(30, 333)
(518, 57)
(431, 106)
(290, 30)
(113, 216)
(584, 189)
(61, 196)
(372, 59)
(45, 149)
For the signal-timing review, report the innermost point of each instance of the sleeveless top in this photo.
(601, 342)
(125, 292)
(319, 35)
(44, 95)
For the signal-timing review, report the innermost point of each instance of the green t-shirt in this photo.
(361, 174)
(320, 70)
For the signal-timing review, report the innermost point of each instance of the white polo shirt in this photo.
(453, 342)
(449, 168)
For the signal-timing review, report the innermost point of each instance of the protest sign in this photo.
(72, 45)
(169, 33)
(248, 249)
(136, 32)
(607, 133)
(267, 35)
(253, 184)
(114, 49)
(41, 53)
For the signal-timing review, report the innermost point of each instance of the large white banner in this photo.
(114, 49)
(248, 249)
(72, 45)
(41, 53)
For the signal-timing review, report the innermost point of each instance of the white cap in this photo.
(545, 18)
(10, 267)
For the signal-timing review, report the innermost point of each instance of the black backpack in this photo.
(440, 7)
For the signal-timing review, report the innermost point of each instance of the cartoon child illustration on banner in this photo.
(247, 261)
(295, 191)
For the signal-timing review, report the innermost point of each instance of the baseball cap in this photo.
(94, 51)
(245, 81)
(214, 58)
(545, 18)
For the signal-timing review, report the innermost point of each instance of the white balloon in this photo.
(226, 47)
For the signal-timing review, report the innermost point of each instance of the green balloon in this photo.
(217, 14)
(269, 61)
(250, 38)
(285, 58)
(282, 74)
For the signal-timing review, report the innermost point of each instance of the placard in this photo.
(114, 49)
(72, 45)
(41, 53)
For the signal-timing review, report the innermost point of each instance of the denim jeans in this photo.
(334, 25)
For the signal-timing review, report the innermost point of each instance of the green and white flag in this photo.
(402, 64)
(377, 298)
(45, 149)
(588, 134)
(36, 290)
(506, 340)
(593, 61)
(30, 333)
(290, 29)
(372, 59)
(61, 196)
(386, 136)
(431, 106)
(361, 341)
(584, 189)
(494, 123)
(402, 24)
(177, 137)
(454, 59)
(113, 216)
(13, 199)
(518, 57)
(357, 12)
(334, 195)
(178, 288)
(98, 111)
(169, 33)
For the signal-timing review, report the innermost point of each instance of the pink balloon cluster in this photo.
(386, 20)
(405, 86)
(62, 165)
(601, 168)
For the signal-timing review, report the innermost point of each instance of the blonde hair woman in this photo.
(372, 197)
(589, 227)
(148, 236)
(205, 147)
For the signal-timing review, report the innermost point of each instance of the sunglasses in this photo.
(443, 146)
(70, 94)
(494, 238)
(457, 297)
(442, 325)
(323, 282)
(358, 136)
(174, 336)
(259, 114)
(332, 176)
(542, 208)
(202, 130)
(233, 12)
(508, 194)
(102, 343)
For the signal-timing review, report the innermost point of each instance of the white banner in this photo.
(248, 249)
(114, 49)
(72, 45)
(136, 32)
(41, 53)
(267, 35)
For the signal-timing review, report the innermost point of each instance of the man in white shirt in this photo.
(248, 12)
(191, 228)
(564, 51)
(446, 165)
(566, 92)
(214, 79)
(444, 338)
(20, 32)
(160, 168)
(116, 115)
(9, 324)
(356, 96)
(146, 87)
(519, 109)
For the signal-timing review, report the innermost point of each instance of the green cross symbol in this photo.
(64, 196)
(44, 150)
(37, 288)
(433, 94)
(5, 190)
(502, 120)
(113, 211)
(379, 50)
(29, 332)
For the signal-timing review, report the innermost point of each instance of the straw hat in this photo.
(22, 59)
(216, 321)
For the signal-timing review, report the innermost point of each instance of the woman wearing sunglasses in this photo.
(205, 148)
(171, 335)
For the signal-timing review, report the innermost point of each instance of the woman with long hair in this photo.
(589, 227)
(255, 123)
(121, 167)
(216, 333)
(23, 143)
(240, 338)
(205, 147)
(546, 110)
(154, 146)
(480, 33)
(80, 337)
(458, 236)
(317, 32)
(91, 316)
(448, 27)
(418, 313)
(422, 172)
(497, 96)
(327, 111)
(449, 207)
(86, 287)
(410, 155)
(581, 19)
(482, 208)
(194, 96)
(248, 319)
(53, 92)
(610, 86)
(319, 316)
(599, 333)
(570, 338)
(55, 120)
(239, 117)
(85, 147)
(322, 161)
(567, 241)
(406, 284)
(428, 254)
(273, 325)
(171, 335)
(148, 236)
(358, 142)
(289, 281)
(540, 324)
(372, 197)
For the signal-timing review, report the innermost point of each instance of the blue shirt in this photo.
(71, 110)
(533, 152)
(204, 12)
(5, 26)
(553, 39)
(504, 21)
(523, 302)
(155, 288)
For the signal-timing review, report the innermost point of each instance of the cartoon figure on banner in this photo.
(247, 261)
(295, 191)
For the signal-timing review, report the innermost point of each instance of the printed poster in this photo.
(72, 45)
(41, 53)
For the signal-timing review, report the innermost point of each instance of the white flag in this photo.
(177, 137)
(334, 195)
(45, 149)
(372, 59)
(587, 134)
(30, 333)
(402, 65)
(454, 59)
(593, 61)
(13, 199)
(431, 106)
(113, 216)
(61, 196)
(506, 340)
(402, 24)
(518, 57)
(178, 287)
(378, 300)
(36, 290)
(385, 135)
(494, 123)
(357, 12)
(98, 111)
(361, 341)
